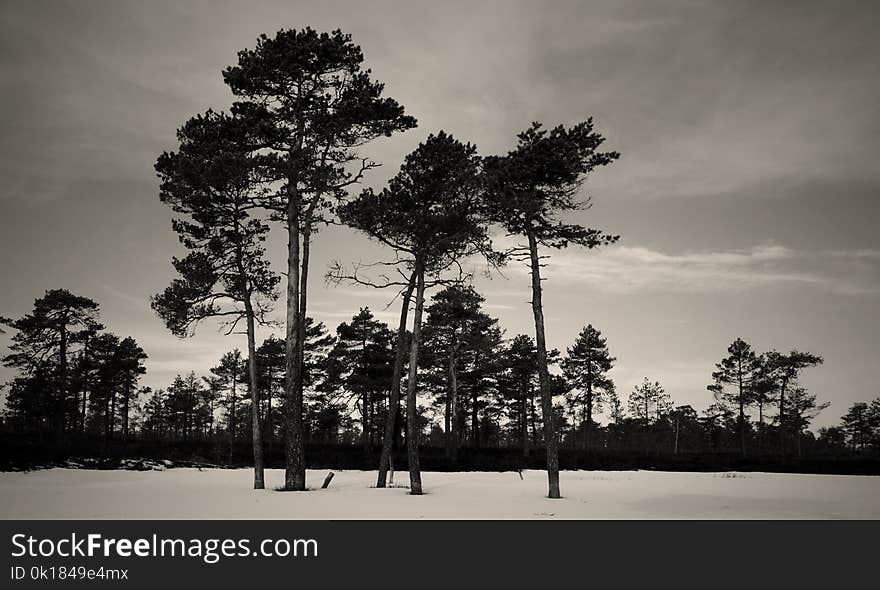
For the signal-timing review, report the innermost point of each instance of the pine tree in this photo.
(586, 368)
(739, 369)
(455, 327)
(431, 216)
(363, 361)
(316, 106)
(43, 341)
(214, 182)
(649, 402)
(804, 408)
(528, 191)
(783, 369)
(231, 372)
(129, 364)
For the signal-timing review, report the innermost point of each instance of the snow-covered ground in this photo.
(221, 493)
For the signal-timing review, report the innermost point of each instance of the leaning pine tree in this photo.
(212, 183)
(528, 190)
(316, 107)
(431, 215)
(783, 370)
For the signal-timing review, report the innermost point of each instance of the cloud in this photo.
(631, 269)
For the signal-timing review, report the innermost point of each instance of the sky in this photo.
(747, 195)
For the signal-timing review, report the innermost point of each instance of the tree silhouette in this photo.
(585, 367)
(455, 322)
(316, 106)
(740, 369)
(129, 360)
(859, 425)
(783, 369)
(804, 407)
(363, 359)
(58, 320)
(230, 371)
(649, 402)
(521, 364)
(213, 182)
(270, 368)
(528, 191)
(431, 215)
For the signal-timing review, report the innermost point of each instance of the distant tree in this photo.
(230, 371)
(762, 388)
(270, 375)
(107, 383)
(213, 181)
(431, 215)
(213, 387)
(804, 408)
(856, 423)
(42, 343)
(316, 106)
(521, 369)
(586, 369)
(528, 191)
(129, 360)
(649, 402)
(832, 437)
(455, 323)
(874, 423)
(616, 410)
(738, 370)
(784, 369)
(182, 402)
(684, 421)
(156, 419)
(86, 371)
(363, 359)
(480, 368)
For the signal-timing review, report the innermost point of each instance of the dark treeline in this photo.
(478, 405)
(288, 155)
(74, 376)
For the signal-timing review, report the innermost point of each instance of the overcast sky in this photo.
(747, 194)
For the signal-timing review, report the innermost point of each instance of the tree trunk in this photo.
(85, 387)
(760, 425)
(782, 417)
(589, 401)
(392, 417)
(447, 426)
(61, 402)
(112, 414)
(675, 447)
(475, 417)
(453, 434)
(256, 434)
(231, 425)
(129, 390)
(589, 425)
(742, 414)
(524, 423)
(295, 470)
(533, 416)
(267, 429)
(412, 434)
(544, 373)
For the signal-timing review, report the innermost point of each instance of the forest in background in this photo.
(496, 424)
